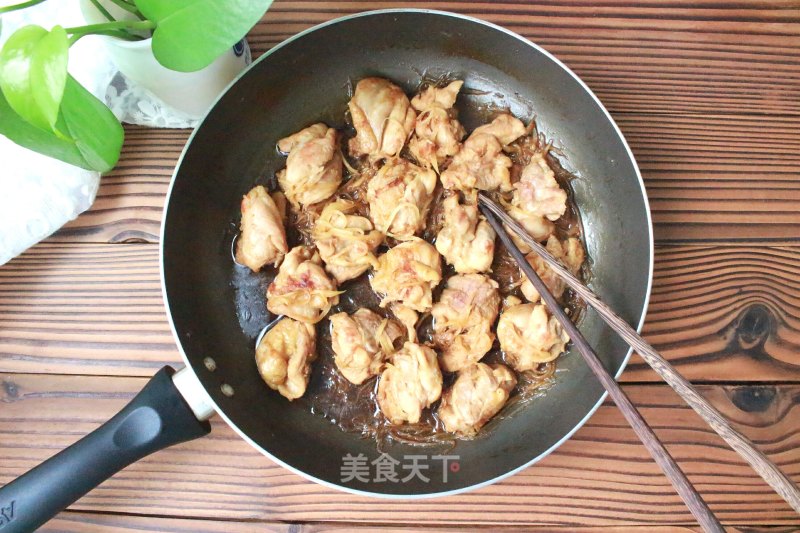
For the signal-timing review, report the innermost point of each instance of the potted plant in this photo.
(46, 110)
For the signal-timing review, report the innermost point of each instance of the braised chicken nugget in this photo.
(361, 343)
(410, 383)
(463, 319)
(529, 337)
(466, 239)
(284, 357)
(345, 241)
(399, 196)
(262, 240)
(537, 226)
(302, 289)
(383, 119)
(314, 166)
(478, 393)
(437, 132)
(537, 193)
(570, 253)
(407, 274)
(481, 163)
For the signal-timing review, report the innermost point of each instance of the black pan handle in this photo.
(156, 418)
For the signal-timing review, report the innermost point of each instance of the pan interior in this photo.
(307, 80)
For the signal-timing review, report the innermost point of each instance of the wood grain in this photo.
(709, 178)
(768, 471)
(685, 56)
(717, 312)
(687, 492)
(725, 313)
(602, 476)
(77, 522)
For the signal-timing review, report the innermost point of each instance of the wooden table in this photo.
(708, 95)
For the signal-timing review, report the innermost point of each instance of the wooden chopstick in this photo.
(741, 444)
(682, 485)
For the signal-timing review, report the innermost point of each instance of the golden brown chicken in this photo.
(263, 237)
(570, 253)
(479, 392)
(345, 241)
(537, 192)
(463, 319)
(314, 167)
(361, 343)
(410, 383)
(302, 290)
(437, 133)
(529, 337)
(399, 196)
(284, 357)
(407, 274)
(481, 163)
(466, 239)
(537, 226)
(383, 119)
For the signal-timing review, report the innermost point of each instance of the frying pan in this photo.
(305, 80)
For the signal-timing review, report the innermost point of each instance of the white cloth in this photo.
(39, 194)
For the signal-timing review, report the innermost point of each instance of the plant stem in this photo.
(22, 5)
(110, 26)
(101, 9)
(112, 33)
(128, 7)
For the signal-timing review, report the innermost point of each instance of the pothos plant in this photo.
(45, 109)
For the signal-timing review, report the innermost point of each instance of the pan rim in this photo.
(505, 475)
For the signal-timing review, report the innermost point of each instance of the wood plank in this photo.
(77, 522)
(686, 56)
(717, 312)
(711, 178)
(725, 313)
(131, 197)
(602, 476)
(72, 522)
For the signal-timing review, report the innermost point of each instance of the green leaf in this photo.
(97, 132)
(94, 137)
(33, 72)
(191, 34)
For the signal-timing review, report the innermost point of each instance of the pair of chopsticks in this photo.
(741, 444)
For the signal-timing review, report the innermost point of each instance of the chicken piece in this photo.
(408, 317)
(481, 163)
(529, 337)
(284, 357)
(571, 255)
(263, 237)
(407, 274)
(437, 133)
(479, 392)
(463, 319)
(346, 242)
(466, 239)
(314, 167)
(409, 384)
(437, 97)
(537, 226)
(361, 343)
(383, 119)
(505, 128)
(537, 192)
(399, 196)
(302, 290)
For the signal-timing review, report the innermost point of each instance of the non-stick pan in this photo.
(305, 80)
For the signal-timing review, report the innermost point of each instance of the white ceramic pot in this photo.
(189, 92)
